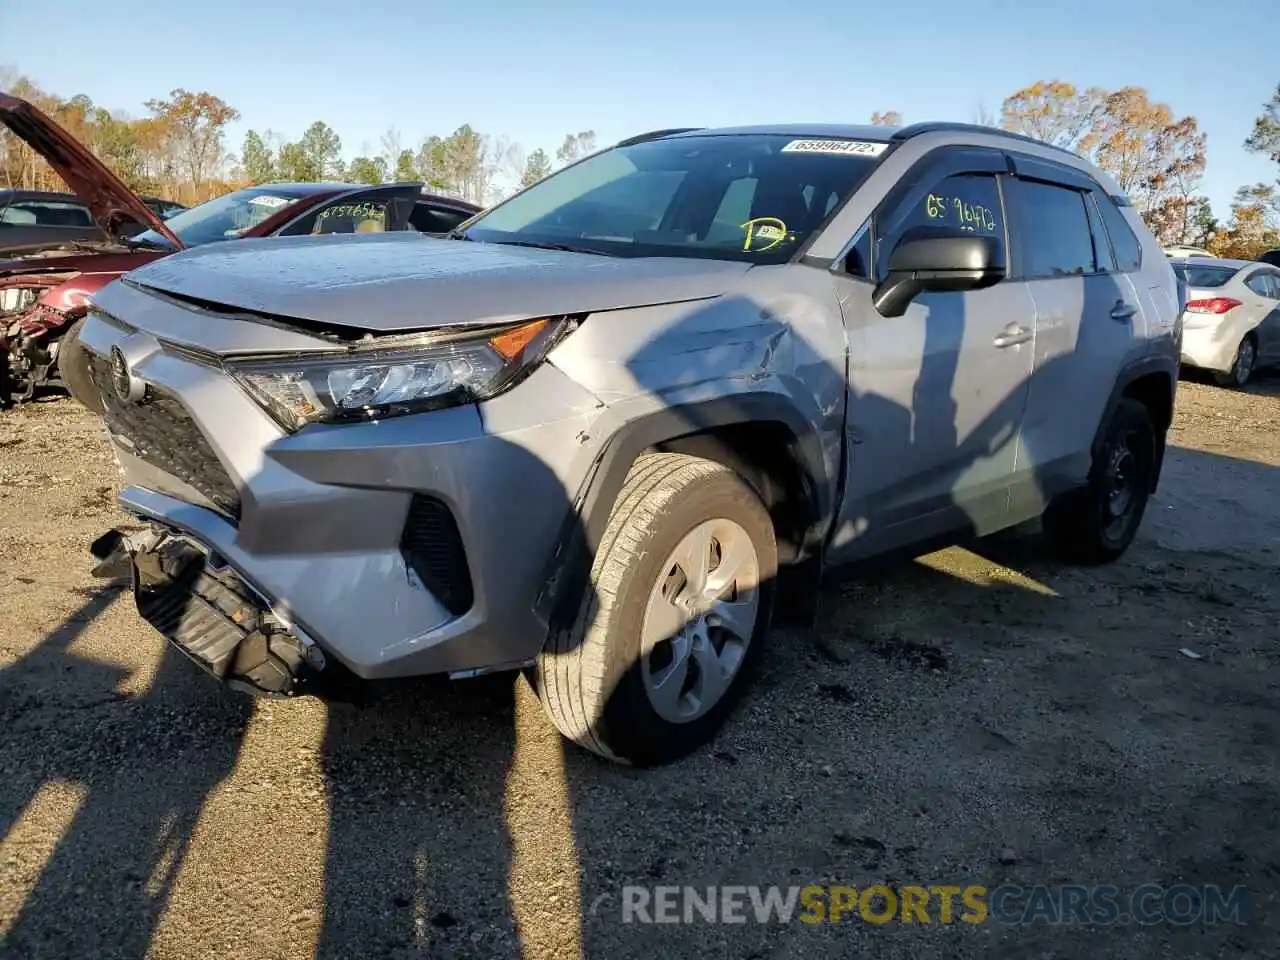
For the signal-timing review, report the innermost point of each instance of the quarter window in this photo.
(1101, 246)
(1128, 250)
(1055, 236)
(961, 203)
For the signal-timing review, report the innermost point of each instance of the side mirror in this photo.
(937, 264)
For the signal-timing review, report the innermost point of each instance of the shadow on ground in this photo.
(979, 716)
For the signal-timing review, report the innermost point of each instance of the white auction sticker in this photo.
(856, 148)
(265, 200)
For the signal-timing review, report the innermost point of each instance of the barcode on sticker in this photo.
(856, 148)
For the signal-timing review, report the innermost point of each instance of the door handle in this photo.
(1012, 336)
(1123, 311)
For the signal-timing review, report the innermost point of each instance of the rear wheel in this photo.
(1098, 523)
(1242, 367)
(680, 599)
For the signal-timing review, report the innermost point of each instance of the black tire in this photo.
(1242, 367)
(1094, 525)
(73, 370)
(589, 677)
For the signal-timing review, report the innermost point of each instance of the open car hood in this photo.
(110, 202)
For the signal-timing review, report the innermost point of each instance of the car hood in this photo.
(389, 283)
(110, 202)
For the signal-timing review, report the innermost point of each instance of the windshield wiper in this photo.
(547, 245)
(456, 234)
(134, 243)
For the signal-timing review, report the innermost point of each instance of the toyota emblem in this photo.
(125, 384)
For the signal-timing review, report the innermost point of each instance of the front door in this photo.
(936, 396)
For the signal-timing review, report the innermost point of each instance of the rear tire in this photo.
(1242, 367)
(73, 369)
(680, 522)
(1097, 524)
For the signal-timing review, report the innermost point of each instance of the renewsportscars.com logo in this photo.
(1009, 904)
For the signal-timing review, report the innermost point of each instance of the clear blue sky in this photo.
(537, 70)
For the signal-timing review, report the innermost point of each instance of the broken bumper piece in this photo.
(202, 607)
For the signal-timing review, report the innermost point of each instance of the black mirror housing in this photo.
(952, 262)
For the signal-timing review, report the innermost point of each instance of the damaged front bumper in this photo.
(205, 610)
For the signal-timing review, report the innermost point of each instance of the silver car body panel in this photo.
(322, 509)
(376, 283)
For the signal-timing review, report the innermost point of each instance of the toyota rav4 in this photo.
(597, 429)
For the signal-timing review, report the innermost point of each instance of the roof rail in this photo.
(655, 135)
(944, 126)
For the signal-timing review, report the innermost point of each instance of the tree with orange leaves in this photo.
(890, 118)
(1053, 111)
(195, 124)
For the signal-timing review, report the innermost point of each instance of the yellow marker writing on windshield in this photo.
(764, 228)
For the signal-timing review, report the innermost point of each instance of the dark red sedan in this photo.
(46, 284)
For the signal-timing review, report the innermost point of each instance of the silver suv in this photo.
(594, 432)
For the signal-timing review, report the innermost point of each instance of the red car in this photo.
(45, 290)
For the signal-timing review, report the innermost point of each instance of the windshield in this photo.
(222, 218)
(753, 197)
(1202, 275)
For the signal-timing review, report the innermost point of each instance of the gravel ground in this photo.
(968, 718)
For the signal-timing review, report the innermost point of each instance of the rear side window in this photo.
(1259, 283)
(430, 219)
(1056, 240)
(1128, 250)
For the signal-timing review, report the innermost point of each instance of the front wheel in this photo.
(1097, 524)
(1242, 367)
(680, 599)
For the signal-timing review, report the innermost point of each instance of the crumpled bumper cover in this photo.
(205, 610)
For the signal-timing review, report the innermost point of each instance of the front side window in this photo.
(1054, 230)
(958, 204)
(347, 215)
(751, 197)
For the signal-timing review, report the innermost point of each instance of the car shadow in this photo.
(108, 880)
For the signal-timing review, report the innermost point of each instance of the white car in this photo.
(1231, 325)
(1182, 250)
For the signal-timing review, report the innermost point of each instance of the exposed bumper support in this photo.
(213, 617)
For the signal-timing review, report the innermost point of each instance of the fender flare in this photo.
(567, 570)
(1128, 374)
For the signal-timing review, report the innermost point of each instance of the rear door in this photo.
(1088, 324)
(1264, 286)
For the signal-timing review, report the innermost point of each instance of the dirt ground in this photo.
(969, 718)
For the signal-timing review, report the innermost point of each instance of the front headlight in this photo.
(376, 380)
